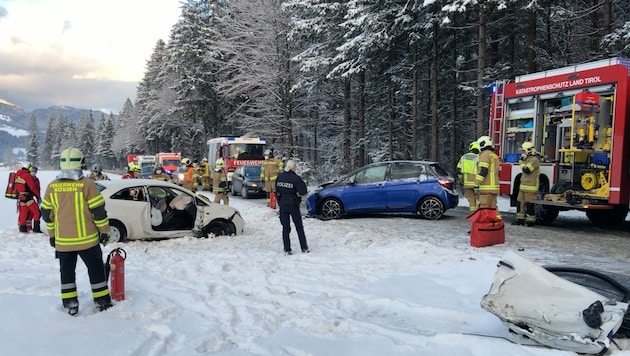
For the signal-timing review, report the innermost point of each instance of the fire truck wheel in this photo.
(561, 187)
(546, 215)
(608, 217)
(430, 208)
(331, 208)
(117, 231)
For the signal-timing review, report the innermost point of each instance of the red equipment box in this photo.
(587, 98)
(487, 234)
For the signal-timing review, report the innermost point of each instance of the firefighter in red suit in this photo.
(30, 219)
(28, 194)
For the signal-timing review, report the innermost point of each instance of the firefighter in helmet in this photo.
(97, 173)
(190, 175)
(220, 185)
(467, 172)
(204, 172)
(74, 211)
(269, 173)
(528, 187)
(133, 171)
(159, 174)
(487, 179)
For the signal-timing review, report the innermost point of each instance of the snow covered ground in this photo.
(370, 286)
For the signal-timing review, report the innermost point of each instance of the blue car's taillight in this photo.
(446, 183)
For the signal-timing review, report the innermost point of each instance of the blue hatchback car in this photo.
(418, 187)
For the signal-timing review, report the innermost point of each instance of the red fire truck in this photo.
(236, 151)
(578, 118)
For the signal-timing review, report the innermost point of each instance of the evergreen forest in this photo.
(339, 84)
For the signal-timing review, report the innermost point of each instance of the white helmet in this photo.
(485, 142)
(71, 159)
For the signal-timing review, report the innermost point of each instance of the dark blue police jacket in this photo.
(288, 186)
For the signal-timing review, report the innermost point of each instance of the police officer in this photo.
(289, 190)
(74, 211)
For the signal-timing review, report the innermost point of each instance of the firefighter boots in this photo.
(23, 228)
(36, 227)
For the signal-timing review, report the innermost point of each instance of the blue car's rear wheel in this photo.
(331, 208)
(430, 208)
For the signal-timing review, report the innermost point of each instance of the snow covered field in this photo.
(370, 286)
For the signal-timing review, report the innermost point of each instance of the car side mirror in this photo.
(352, 181)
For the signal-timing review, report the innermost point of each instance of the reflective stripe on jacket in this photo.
(530, 181)
(217, 178)
(490, 183)
(270, 169)
(74, 212)
(467, 168)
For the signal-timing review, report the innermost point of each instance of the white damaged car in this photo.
(154, 209)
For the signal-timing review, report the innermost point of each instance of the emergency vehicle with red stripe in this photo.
(578, 118)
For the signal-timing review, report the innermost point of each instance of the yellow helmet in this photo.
(473, 146)
(220, 163)
(70, 158)
(186, 161)
(528, 147)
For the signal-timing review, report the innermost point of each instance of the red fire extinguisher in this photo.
(115, 266)
(272, 200)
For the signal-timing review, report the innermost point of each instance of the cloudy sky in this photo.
(82, 53)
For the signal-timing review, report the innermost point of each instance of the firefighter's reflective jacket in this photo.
(490, 183)
(467, 169)
(531, 174)
(74, 212)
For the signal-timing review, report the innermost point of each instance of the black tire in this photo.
(546, 215)
(331, 208)
(561, 187)
(117, 231)
(608, 217)
(244, 192)
(219, 228)
(430, 208)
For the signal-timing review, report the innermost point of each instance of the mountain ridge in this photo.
(15, 117)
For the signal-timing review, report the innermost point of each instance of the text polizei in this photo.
(285, 185)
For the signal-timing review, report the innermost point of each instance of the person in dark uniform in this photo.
(289, 190)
